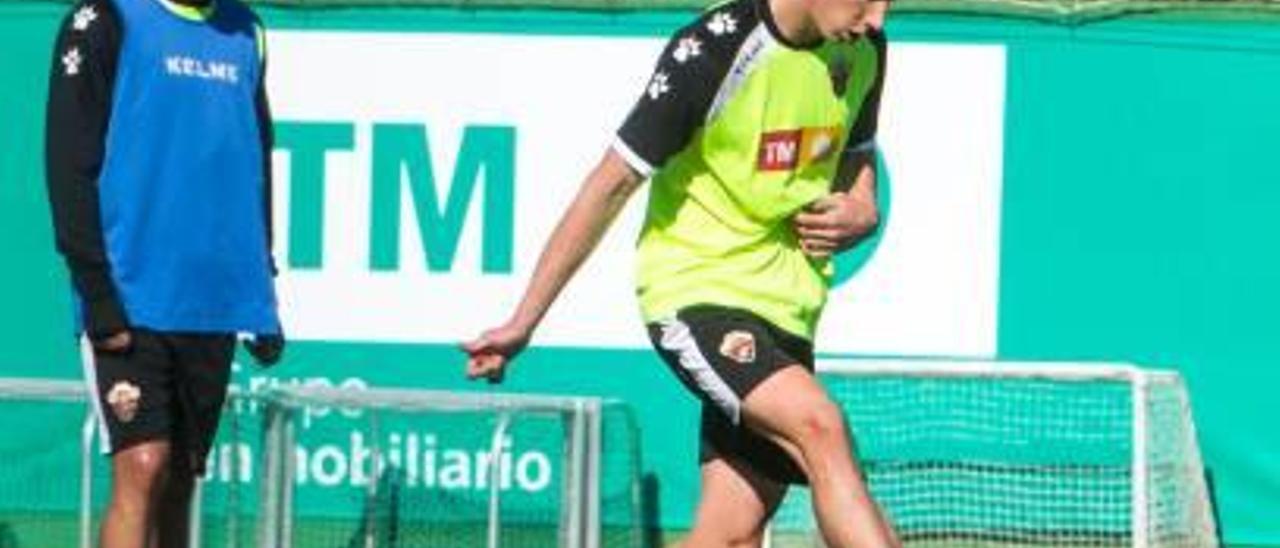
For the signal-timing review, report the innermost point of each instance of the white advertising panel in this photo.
(469, 146)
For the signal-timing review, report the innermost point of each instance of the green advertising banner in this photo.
(1106, 191)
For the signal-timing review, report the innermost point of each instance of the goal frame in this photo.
(580, 521)
(1139, 380)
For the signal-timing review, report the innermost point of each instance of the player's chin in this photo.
(847, 34)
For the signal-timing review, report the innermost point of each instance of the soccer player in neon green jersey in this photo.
(757, 130)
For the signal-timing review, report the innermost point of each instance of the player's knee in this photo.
(144, 466)
(738, 527)
(747, 539)
(725, 534)
(821, 423)
(745, 533)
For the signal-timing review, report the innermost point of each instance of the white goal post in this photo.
(975, 453)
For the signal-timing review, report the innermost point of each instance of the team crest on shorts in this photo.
(123, 399)
(739, 346)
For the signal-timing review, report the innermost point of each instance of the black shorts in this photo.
(721, 354)
(168, 386)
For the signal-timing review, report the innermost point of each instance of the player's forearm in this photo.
(849, 213)
(863, 195)
(864, 178)
(77, 227)
(73, 201)
(598, 202)
(856, 170)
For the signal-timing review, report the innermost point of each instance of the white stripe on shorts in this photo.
(90, 365)
(677, 338)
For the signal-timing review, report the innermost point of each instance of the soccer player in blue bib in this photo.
(158, 169)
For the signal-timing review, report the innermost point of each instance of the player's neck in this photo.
(792, 19)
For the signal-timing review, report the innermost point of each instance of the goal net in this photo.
(993, 454)
(428, 468)
(324, 467)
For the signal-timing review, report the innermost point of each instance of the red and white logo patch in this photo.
(789, 149)
(779, 150)
(739, 346)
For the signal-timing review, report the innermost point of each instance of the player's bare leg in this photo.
(173, 517)
(137, 475)
(793, 408)
(735, 506)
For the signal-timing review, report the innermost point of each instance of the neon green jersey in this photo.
(739, 130)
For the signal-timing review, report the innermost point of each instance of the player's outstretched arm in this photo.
(583, 224)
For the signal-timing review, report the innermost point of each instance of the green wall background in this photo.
(1141, 209)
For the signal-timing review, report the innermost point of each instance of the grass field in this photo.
(61, 529)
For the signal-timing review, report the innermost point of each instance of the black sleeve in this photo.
(266, 135)
(676, 100)
(78, 111)
(863, 132)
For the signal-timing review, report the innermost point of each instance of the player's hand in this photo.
(489, 355)
(835, 222)
(118, 342)
(266, 349)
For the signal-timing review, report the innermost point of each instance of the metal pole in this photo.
(235, 481)
(1067, 371)
(576, 474)
(571, 494)
(566, 486)
(371, 492)
(86, 479)
(495, 479)
(288, 479)
(594, 430)
(268, 526)
(194, 518)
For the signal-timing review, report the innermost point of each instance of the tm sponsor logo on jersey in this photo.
(790, 149)
(190, 67)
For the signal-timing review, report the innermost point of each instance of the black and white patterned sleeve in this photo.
(78, 112)
(674, 102)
